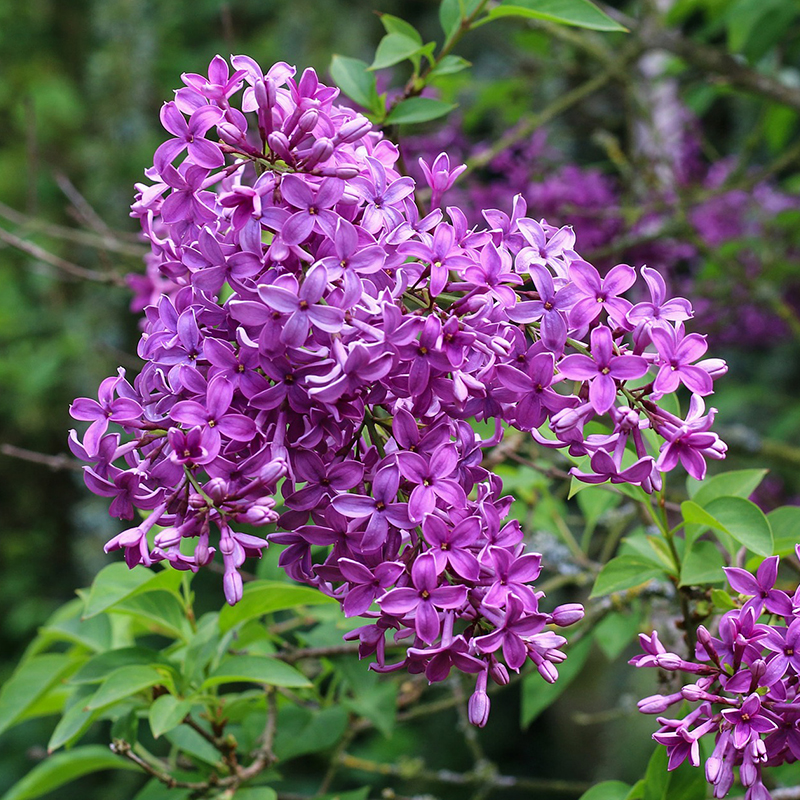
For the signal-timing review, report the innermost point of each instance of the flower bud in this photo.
(478, 709)
(567, 614)
(669, 661)
(548, 671)
(499, 673)
(657, 703)
(217, 490)
(353, 130)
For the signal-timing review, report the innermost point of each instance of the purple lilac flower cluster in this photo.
(746, 686)
(328, 342)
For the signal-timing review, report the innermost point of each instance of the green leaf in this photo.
(257, 793)
(192, 743)
(75, 722)
(256, 669)
(694, 514)
(451, 12)
(615, 632)
(744, 521)
(166, 713)
(155, 790)
(625, 572)
(418, 109)
(102, 665)
(66, 625)
(736, 483)
(580, 13)
(32, 680)
(394, 24)
(394, 48)
(378, 704)
(124, 682)
(301, 731)
(684, 783)
(265, 597)
(722, 600)
(449, 65)
(702, 564)
(116, 582)
(785, 524)
(62, 768)
(160, 612)
(353, 78)
(607, 790)
(538, 694)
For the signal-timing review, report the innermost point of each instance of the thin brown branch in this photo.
(123, 748)
(58, 462)
(709, 59)
(111, 241)
(415, 769)
(60, 263)
(81, 204)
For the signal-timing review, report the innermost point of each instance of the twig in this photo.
(81, 205)
(530, 122)
(58, 462)
(58, 262)
(709, 59)
(123, 748)
(112, 241)
(415, 770)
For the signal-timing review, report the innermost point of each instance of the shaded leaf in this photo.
(124, 682)
(166, 713)
(538, 694)
(353, 78)
(256, 669)
(102, 665)
(62, 768)
(785, 524)
(580, 13)
(625, 572)
(32, 680)
(116, 582)
(302, 731)
(266, 597)
(418, 109)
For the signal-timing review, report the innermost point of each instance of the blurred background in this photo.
(652, 155)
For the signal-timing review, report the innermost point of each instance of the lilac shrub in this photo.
(745, 686)
(326, 345)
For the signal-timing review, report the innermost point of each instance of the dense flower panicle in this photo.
(746, 682)
(324, 343)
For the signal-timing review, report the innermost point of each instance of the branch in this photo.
(123, 748)
(56, 261)
(111, 241)
(58, 462)
(415, 769)
(709, 59)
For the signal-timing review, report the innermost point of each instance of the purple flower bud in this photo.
(568, 614)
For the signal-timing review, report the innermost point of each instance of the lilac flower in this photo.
(189, 135)
(598, 294)
(675, 356)
(602, 369)
(761, 587)
(426, 596)
(303, 307)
